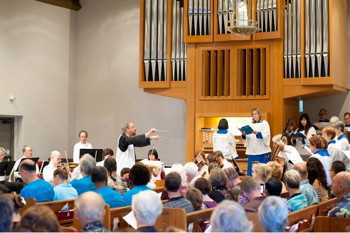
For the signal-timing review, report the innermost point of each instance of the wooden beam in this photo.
(69, 4)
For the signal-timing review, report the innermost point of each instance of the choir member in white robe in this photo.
(341, 139)
(224, 140)
(286, 152)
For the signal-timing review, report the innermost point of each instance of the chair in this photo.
(175, 217)
(330, 224)
(325, 206)
(197, 217)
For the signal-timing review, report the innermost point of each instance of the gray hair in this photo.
(54, 154)
(179, 168)
(292, 178)
(273, 214)
(229, 216)
(301, 168)
(191, 170)
(339, 125)
(2, 151)
(147, 207)
(333, 120)
(90, 206)
(278, 137)
(87, 163)
(125, 126)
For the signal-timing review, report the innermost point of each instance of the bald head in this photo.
(302, 169)
(89, 207)
(341, 184)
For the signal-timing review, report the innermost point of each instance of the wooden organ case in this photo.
(186, 52)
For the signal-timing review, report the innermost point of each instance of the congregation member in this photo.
(139, 177)
(336, 167)
(126, 143)
(99, 175)
(192, 173)
(89, 210)
(7, 211)
(224, 140)
(203, 185)
(251, 190)
(317, 178)
(334, 149)
(347, 121)
(27, 153)
(172, 184)
(259, 172)
(106, 153)
(297, 200)
(287, 152)
(55, 160)
(308, 131)
(232, 177)
(63, 190)
(195, 196)
(341, 189)
(86, 163)
(82, 144)
(318, 146)
(114, 181)
(36, 188)
(38, 218)
(341, 138)
(146, 206)
(273, 214)
(305, 187)
(229, 216)
(273, 187)
(257, 142)
(218, 181)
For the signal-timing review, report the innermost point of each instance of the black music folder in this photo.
(35, 160)
(96, 153)
(6, 167)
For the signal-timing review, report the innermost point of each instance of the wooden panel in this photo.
(240, 73)
(227, 74)
(256, 64)
(248, 70)
(329, 224)
(325, 206)
(175, 217)
(263, 72)
(213, 70)
(206, 73)
(220, 72)
(197, 217)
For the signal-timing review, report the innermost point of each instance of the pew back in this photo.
(326, 206)
(64, 218)
(175, 217)
(198, 217)
(329, 224)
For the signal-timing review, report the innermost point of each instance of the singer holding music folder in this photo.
(126, 143)
(256, 139)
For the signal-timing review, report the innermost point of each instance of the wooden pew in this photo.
(118, 213)
(68, 229)
(330, 224)
(65, 219)
(326, 206)
(106, 220)
(197, 217)
(159, 183)
(254, 217)
(302, 214)
(158, 189)
(175, 217)
(29, 202)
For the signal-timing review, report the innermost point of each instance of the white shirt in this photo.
(299, 144)
(226, 143)
(76, 150)
(257, 146)
(343, 142)
(48, 172)
(290, 153)
(326, 162)
(18, 161)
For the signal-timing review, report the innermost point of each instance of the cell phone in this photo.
(262, 188)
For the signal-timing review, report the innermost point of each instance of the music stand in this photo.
(35, 160)
(43, 165)
(96, 153)
(6, 168)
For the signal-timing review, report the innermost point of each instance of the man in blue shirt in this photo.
(341, 189)
(110, 196)
(36, 188)
(87, 163)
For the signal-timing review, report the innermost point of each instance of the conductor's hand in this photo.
(155, 138)
(151, 131)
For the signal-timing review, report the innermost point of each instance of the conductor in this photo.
(127, 141)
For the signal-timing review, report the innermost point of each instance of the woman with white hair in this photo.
(146, 206)
(229, 216)
(273, 214)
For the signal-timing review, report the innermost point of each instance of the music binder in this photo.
(96, 153)
(6, 167)
(35, 160)
(247, 129)
(298, 135)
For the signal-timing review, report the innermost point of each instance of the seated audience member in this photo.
(62, 189)
(87, 163)
(114, 181)
(297, 200)
(194, 195)
(55, 160)
(39, 218)
(336, 167)
(318, 146)
(288, 153)
(99, 177)
(106, 153)
(341, 138)
(259, 172)
(273, 187)
(179, 168)
(275, 169)
(36, 188)
(232, 177)
(124, 175)
(89, 210)
(229, 216)
(273, 214)
(251, 190)
(305, 187)
(347, 121)
(218, 181)
(7, 211)
(172, 184)
(146, 206)
(334, 149)
(19, 202)
(204, 186)
(219, 158)
(341, 189)
(139, 177)
(317, 178)
(192, 173)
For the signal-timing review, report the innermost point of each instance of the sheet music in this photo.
(130, 219)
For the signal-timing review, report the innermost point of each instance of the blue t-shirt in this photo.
(135, 190)
(83, 185)
(111, 197)
(64, 192)
(39, 189)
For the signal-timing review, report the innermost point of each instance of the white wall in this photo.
(107, 92)
(34, 64)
